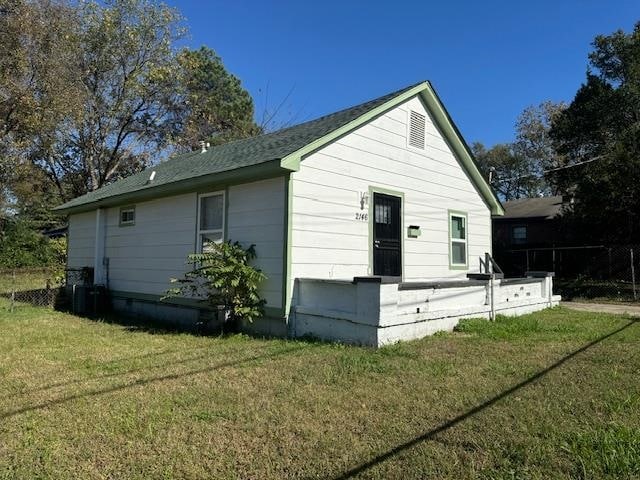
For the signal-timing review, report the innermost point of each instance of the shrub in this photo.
(225, 279)
(23, 246)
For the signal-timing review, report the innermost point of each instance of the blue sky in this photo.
(487, 60)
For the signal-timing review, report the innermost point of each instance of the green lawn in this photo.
(550, 395)
(19, 280)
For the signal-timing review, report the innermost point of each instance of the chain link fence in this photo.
(41, 287)
(70, 289)
(596, 272)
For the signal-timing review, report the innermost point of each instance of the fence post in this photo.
(492, 285)
(48, 295)
(633, 275)
(13, 290)
(489, 268)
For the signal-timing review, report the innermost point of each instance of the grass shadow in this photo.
(116, 374)
(147, 381)
(429, 435)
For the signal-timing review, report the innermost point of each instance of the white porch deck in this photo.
(369, 311)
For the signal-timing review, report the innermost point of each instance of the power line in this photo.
(599, 157)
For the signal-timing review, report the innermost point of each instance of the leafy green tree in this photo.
(517, 169)
(224, 277)
(128, 73)
(512, 175)
(601, 126)
(38, 88)
(94, 91)
(216, 108)
(534, 144)
(22, 246)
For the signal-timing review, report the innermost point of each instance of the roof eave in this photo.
(259, 171)
(460, 147)
(292, 161)
(444, 121)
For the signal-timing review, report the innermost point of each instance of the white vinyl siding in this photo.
(81, 238)
(144, 256)
(256, 216)
(327, 239)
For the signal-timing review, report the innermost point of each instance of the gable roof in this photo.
(539, 207)
(268, 154)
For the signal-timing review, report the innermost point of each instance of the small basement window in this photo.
(458, 240)
(210, 220)
(127, 216)
(519, 234)
(417, 125)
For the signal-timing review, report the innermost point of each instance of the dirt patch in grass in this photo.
(548, 395)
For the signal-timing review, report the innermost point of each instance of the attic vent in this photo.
(416, 130)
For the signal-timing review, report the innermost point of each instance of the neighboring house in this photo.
(58, 232)
(528, 222)
(383, 193)
(527, 232)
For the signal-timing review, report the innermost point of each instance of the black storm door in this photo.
(387, 225)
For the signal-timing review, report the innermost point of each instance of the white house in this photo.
(366, 222)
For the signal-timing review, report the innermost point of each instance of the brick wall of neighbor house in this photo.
(328, 241)
(144, 256)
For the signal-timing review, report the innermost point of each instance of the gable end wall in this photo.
(328, 241)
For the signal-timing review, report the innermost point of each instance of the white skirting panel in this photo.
(369, 312)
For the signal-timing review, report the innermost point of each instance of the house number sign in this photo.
(362, 215)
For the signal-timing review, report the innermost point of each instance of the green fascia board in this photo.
(444, 122)
(460, 147)
(292, 161)
(217, 180)
(286, 247)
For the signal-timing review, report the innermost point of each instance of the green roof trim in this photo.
(460, 147)
(273, 154)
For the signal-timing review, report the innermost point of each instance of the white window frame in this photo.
(222, 230)
(465, 217)
(127, 223)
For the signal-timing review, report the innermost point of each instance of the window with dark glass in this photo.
(210, 220)
(127, 216)
(519, 234)
(458, 240)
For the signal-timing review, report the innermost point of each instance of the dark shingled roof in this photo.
(233, 155)
(540, 207)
